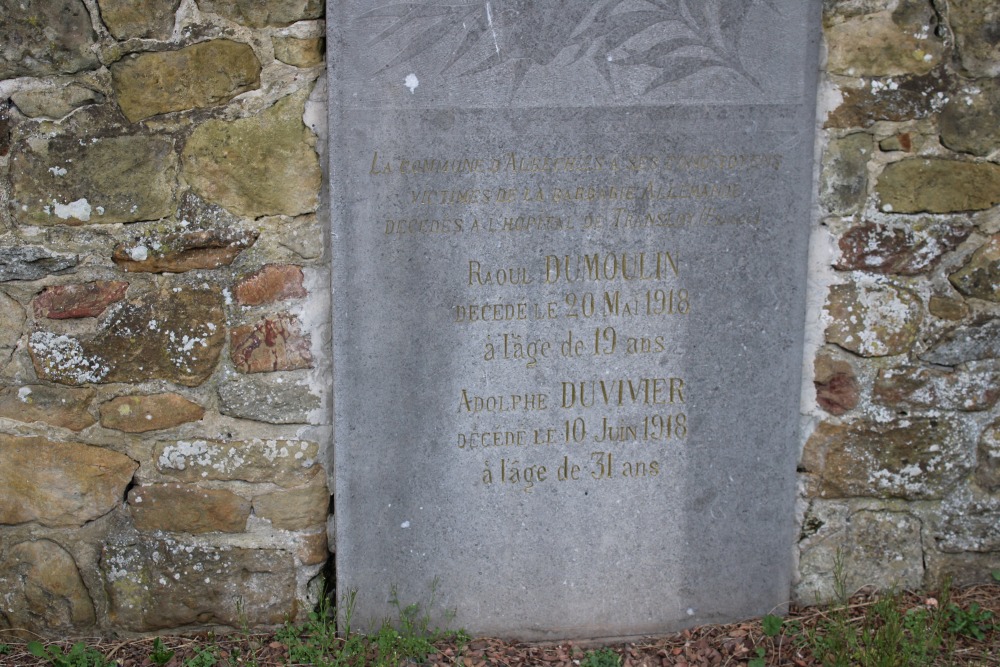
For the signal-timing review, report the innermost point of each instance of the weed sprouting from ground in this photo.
(79, 655)
(407, 637)
(160, 654)
(604, 657)
(204, 657)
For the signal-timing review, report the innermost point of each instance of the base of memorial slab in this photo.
(960, 627)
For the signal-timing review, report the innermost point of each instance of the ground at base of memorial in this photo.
(906, 629)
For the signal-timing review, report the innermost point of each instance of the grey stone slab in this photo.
(277, 398)
(31, 262)
(569, 270)
(969, 343)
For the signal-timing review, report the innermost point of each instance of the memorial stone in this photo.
(570, 247)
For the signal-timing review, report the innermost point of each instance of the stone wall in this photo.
(901, 475)
(164, 327)
(164, 315)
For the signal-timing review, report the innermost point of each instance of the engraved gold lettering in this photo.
(567, 471)
(572, 347)
(621, 392)
(624, 218)
(378, 169)
(640, 469)
(512, 471)
(603, 462)
(610, 267)
(423, 226)
(616, 432)
(512, 275)
(544, 436)
(483, 440)
(645, 345)
(491, 312)
(658, 427)
(526, 402)
(712, 216)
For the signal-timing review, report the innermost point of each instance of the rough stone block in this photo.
(140, 414)
(881, 548)
(12, 318)
(63, 302)
(302, 235)
(837, 389)
(976, 24)
(300, 52)
(979, 340)
(71, 180)
(973, 387)
(272, 283)
(60, 406)
(845, 177)
(158, 584)
(915, 459)
(261, 13)
(55, 103)
(286, 463)
(184, 251)
(268, 398)
(175, 334)
(42, 591)
(198, 76)
(272, 344)
(264, 165)
(884, 549)
(301, 508)
(896, 99)
(40, 38)
(4, 131)
(988, 458)
(59, 483)
(27, 262)
(886, 43)
(128, 19)
(955, 570)
(916, 249)
(904, 141)
(967, 522)
(937, 185)
(947, 308)
(873, 320)
(186, 508)
(313, 548)
(979, 277)
(970, 121)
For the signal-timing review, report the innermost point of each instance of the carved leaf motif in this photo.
(675, 38)
(679, 67)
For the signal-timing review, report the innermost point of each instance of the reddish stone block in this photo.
(273, 344)
(272, 283)
(63, 302)
(175, 334)
(881, 249)
(837, 389)
(177, 253)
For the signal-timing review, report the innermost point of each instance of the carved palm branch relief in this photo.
(672, 39)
